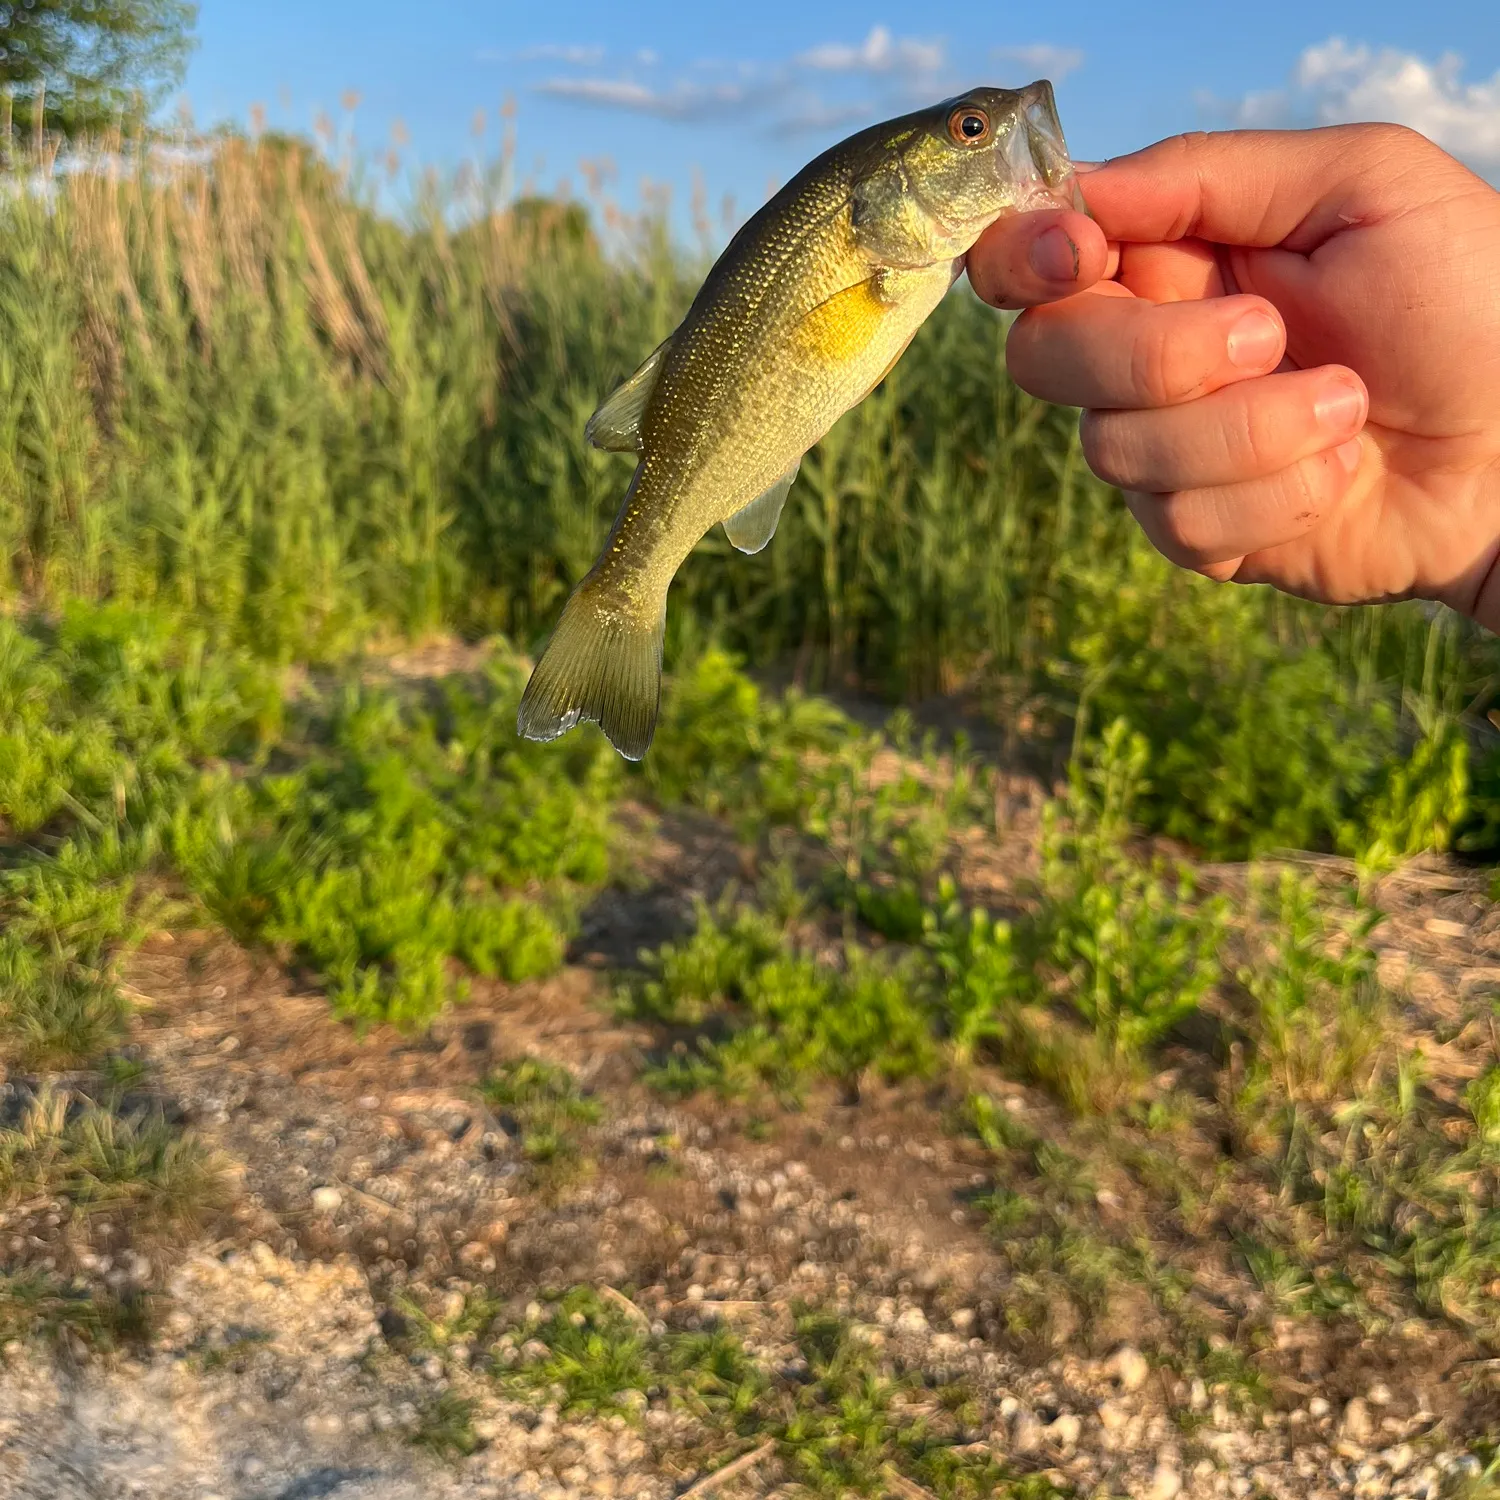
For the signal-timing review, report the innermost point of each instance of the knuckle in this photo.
(1158, 372)
(1021, 352)
(1389, 139)
(1258, 441)
(1098, 436)
(1183, 528)
(1168, 524)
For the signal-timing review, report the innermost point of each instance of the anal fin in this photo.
(751, 528)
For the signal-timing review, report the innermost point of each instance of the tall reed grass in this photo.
(230, 387)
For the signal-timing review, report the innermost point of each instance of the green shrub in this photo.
(1137, 954)
(982, 977)
(788, 1017)
(1253, 744)
(1422, 800)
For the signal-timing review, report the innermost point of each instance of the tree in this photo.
(91, 62)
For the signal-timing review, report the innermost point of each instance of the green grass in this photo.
(232, 390)
(543, 1104)
(839, 1431)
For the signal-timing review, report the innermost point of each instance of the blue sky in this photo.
(744, 93)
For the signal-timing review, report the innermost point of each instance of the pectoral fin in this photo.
(751, 528)
(616, 426)
(841, 327)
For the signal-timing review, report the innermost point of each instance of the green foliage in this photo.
(543, 1103)
(1420, 804)
(788, 1017)
(34, 1303)
(686, 981)
(96, 1159)
(1315, 1003)
(445, 1427)
(1254, 743)
(1138, 955)
(982, 979)
(54, 1015)
(725, 746)
(87, 62)
(1482, 1099)
(595, 1354)
(845, 1429)
(381, 858)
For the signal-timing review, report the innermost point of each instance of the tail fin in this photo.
(601, 665)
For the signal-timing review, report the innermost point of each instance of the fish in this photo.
(807, 310)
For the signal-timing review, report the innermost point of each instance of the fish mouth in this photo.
(1042, 150)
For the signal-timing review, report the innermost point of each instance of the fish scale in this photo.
(805, 312)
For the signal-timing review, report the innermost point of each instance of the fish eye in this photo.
(969, 126)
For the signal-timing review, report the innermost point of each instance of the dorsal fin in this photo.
(616, 426)
(752, 526)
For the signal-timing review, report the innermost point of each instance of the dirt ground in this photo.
(368, 1175)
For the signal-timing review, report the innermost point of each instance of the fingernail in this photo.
(1254, 341)
(1054, 257)
(1341, 407)
(1089, 166)
(1350, 454)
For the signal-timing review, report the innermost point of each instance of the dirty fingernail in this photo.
(1054, 257)
(1254, 341)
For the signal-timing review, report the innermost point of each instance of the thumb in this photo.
(1292, 188)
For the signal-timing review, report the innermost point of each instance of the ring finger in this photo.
(1245, 431)
(1205, 528)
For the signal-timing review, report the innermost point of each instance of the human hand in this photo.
(1287, 346)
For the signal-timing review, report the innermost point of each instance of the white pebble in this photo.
(1166, 1483)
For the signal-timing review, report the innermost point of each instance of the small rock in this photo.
(1198, 1395)
(1356, 1424)
(1065, 1430)
(1026, 1433)
(1128, 1365)
(1318, 1408)
(326, 1200)
(912, 1320)
(1379, 1394)
(963, 1319)
(1166, 1483)
(1112, 1415)
(1398, 1459)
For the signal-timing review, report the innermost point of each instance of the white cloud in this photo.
(880, 52)
(576, 55)
(816, 117)
(1335, 83)
(680, 101)
(816, 92)
(1042, 59)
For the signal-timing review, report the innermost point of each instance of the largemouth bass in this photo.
(803, 315)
